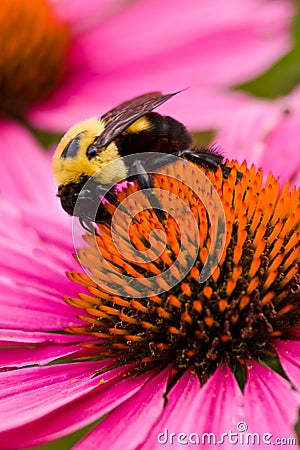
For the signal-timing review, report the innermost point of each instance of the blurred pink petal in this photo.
(265, 133)
(221, 25)
(82, 17)
(283, 141)
(21, 176)
(289, 355)
(33, 270)
(114, 56)
(243, 133)
(198, 107)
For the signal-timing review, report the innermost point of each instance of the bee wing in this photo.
(118, 119)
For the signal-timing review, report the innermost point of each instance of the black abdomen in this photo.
(163, 134)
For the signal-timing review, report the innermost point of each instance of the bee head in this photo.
(78, 155)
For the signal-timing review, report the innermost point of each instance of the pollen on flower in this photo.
(250, 299)
(33, 53)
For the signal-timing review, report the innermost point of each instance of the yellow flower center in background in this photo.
(250, 300)
(33, 46)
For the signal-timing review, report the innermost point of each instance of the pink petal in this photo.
(33, 187)
(46, 311)
(289, 355)
(236, 41)
(201, 106)
(283, 142)
(216, 407)
(33, 279)
(131, 421)
(24, 169)
(261, 132)
(271, 406)
(81, 19)
(179, 411)
(213, 46)
(29, 394)
(219, 404)
(243, 133)
(22, 357)
(11, 337)
(55, 229)
(296, 179)
(86, 408)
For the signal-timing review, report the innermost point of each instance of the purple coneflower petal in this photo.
(219, 397)
(289, 355)
(132, 420)
(194, 409)
(271, 406)
(84, 398)
(36, 254)
(176, 414)
(222, 24)
(24, 338)
(24, 169)
(18, 303)
(22, 357)
(120, 57)
(80, 19)
(28, 391)
(262, 129)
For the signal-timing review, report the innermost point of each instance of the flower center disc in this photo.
(250, 300)
(33, 47)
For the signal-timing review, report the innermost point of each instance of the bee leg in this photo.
(88, 226)
(205, 159)
(156, 162)
(143, 177)
(90, 205)
(146, 182)
(210, 161)
(227, 170)
(106, 194)
(109, 196)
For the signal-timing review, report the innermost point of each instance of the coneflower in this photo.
(239, 323)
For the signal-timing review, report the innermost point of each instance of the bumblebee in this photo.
(88, 147)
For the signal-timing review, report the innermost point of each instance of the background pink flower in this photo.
(265, 133)
(113, 50)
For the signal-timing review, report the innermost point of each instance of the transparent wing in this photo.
(118, 119)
